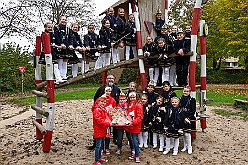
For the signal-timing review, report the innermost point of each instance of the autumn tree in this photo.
(25, 17)
(181, 12)
(228, 24)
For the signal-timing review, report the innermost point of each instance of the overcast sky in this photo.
(101, 5)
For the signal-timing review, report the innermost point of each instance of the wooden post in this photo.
(40, 94)
(50, 91)
(38, 80)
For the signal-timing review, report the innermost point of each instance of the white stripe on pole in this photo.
(50, 118)
(203, 63)
(49, 67)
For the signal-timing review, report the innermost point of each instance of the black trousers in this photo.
(182, 67)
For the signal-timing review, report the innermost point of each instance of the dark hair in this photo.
(166, 83)
(45, 25)
(104, 21)
(91, 25)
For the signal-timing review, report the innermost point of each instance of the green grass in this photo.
(226, 113)
(73, 95)
(218, 99)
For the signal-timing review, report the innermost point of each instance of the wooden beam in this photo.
(40, 127)
(40, 110)
(40, 94)
(96, 72)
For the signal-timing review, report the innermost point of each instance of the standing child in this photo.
(110, 104)
(130, 39)
(173, 125)
(157, 123)
(131, 88)
(149, 51)
(64, 40)
(99, 125)
(90, 43)
(167, 94)
(188, 105)
(182, 46)
(78, 46)
(119, 28)
(163, 51)
(147, 114)
(151, 101)
(49, 29)
(120, 130)
(159, 22)
(135, 111)
(105, 43)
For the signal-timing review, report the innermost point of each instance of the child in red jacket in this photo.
(135, 111)
(110, 104)
(99, 125)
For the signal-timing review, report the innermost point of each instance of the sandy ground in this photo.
(225, 141)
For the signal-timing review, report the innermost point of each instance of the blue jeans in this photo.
(105, 141)
(120, 133)
(136, 143)
(98, 149)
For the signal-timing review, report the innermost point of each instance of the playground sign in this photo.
(22, 69)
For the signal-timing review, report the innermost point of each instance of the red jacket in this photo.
(100, 121)
(136, 109)
(110, 102)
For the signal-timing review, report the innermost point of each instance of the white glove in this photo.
(187, 120)
(134, 30)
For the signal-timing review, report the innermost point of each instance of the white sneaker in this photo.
(190, 150)
(146, 146)
(184, 149)
(154, 147)
(140, 146)
(174, 153)
(64, 77)
(57, 81)
(161, 149)
(166, 152)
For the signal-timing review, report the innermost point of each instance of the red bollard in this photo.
(203, 123)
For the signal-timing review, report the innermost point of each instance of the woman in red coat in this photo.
(135, 111)
(100, 123)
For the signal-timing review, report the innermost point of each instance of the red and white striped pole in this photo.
(139, 47)
(38, 80)
(50, 91)
(192, 70)
(166, 7)
(203, 59)
(203, 78)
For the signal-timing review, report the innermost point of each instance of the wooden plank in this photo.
(41, 94)
(40, 110)
(241, 101)
(40, 127)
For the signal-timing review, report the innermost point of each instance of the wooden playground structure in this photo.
(146, 8)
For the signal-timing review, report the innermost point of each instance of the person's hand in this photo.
(88, 48)
(186, 121)
(70, 47)
(63, 46)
